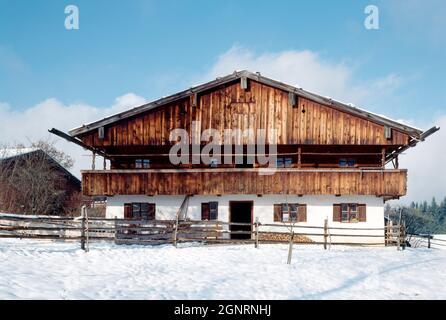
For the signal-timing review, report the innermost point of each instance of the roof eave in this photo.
(148, 106)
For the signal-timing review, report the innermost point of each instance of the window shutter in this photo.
(213, 210)
(152, 211)
(302, 213)
(127, 210)
(277, 213)
(205, 211)
(362, 212)
(337, 213)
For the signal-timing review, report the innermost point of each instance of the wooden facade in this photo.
(314, 133)
(383, 183)
(260, 107)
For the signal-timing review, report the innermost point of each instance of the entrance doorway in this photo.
(240, 212)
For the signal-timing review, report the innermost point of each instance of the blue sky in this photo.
(126, 53)
(153, 48)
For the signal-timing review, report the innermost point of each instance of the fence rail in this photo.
(425, 241)
(128, 231)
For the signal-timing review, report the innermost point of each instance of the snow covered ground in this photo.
(48, 270)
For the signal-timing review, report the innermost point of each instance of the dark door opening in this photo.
(240, 212)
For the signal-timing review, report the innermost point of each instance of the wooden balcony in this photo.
(219, 181)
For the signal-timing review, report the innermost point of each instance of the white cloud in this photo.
(425, 164)
(387, 84)
(304, 69)
(33, 123)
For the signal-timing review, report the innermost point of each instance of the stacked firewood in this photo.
(280, 236)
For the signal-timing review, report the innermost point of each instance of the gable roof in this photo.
(12, 153)
(9, 153)
(382, 120)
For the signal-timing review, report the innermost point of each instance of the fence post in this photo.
(403, 231)
(216, 232)
(290, 250)
(325, 233)
(175, 234)
(398, 245)
(257, 232)
(429, 241)
(83, 228)
(116, 229)
(87, 231)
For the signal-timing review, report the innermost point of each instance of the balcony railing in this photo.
(219, 181)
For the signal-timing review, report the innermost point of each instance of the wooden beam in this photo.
(299, 157)
(292, 99)
(194, 99)
(383, 157)
(299, 154)
(244, 83)
(78, 142)
(412, 143)
(255, 170)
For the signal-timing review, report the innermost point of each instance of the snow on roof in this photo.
(14, 152)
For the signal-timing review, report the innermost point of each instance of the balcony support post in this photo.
(93, 161)
(383, 158)
(299, 157)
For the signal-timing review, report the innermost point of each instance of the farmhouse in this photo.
(326, 159)
(32, 182)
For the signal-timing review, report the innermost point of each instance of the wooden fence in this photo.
(425, 241)
(151, 232)
(56, 228)
(143, 231)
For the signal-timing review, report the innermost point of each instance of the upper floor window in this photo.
(284, 162)
(290, 212)
(213, 163)
(347, 162)
(142, 163)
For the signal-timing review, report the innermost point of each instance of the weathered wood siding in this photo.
(258, 107)
(387, 183)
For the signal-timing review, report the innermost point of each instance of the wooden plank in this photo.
(246, 181)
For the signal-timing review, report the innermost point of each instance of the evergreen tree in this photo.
(421, 217)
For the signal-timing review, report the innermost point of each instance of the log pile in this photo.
(283, 237)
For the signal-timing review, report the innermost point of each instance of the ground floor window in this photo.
(139, 210)
(290, 212)
(349, 212)
(209, 210)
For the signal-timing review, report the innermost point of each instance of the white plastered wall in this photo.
(319, 208)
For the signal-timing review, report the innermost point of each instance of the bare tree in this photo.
(48, 146)
(34, 183)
